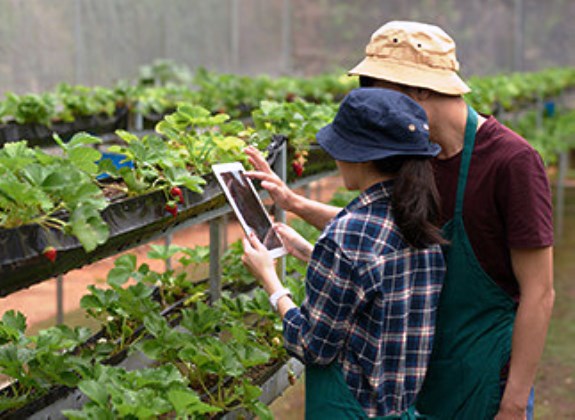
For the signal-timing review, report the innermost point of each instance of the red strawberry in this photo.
(177, 192)
(171, 208)
(297, 167)
(50, 253)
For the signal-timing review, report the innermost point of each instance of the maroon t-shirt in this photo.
(507, 200)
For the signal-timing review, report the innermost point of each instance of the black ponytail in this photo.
(415, 200)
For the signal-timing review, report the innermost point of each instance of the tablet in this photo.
(247, 205)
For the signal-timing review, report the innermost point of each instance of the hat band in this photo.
(446, 65)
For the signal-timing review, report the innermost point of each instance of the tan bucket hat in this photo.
(413, 54)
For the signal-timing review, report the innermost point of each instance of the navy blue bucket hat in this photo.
(377, 123)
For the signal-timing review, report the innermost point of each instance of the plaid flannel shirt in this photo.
(370, 305)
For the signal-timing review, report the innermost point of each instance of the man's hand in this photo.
(511, 413)
(293, 242)
(534, 271)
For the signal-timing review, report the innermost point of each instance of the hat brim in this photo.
(438, 80)
(340, 148)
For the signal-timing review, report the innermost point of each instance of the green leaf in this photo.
(127, 136)
(188, 402)
(85, 158)
(15, 320)
(117, 276)
(262, 411)
(83, 139)
(162, 252)
(152, 348)
(95, 391)
(89, 227)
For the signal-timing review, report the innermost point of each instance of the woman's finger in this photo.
(262, 176)
(247, 245)
(256, 243)
(256, 159)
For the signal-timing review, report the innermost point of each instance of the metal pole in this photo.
(560, 199)
(79, 73)
(59, 300)
(287, 35)
(167, 243)
(235, 34)
(519, 35)
(280, 168)
(216, 252)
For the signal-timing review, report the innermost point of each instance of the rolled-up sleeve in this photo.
(316, 332)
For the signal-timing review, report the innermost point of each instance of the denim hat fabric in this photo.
(376, 123)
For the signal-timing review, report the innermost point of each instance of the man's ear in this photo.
(420, 94)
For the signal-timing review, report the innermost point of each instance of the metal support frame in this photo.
(560, 194)
(59, 299)
(280, 168)
(167, 243)
(217, 228)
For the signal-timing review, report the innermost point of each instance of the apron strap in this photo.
(469, 142)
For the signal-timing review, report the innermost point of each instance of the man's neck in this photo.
(449, 129)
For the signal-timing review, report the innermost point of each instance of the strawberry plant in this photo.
(146, 393)
(203, 139)
(30, 108)
(299, 121)
(157, 165)
(34, 364)
(80, 100)
(121, 309)
(36, 187)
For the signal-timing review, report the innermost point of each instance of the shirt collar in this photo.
(379, 191)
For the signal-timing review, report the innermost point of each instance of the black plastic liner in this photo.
(131, 221)
(41, 135)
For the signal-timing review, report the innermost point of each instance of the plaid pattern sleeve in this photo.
(370, 305)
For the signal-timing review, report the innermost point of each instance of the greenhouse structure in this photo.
(126, 290)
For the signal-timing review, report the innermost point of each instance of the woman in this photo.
(365, 328)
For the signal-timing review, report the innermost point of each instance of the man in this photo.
(498, 295)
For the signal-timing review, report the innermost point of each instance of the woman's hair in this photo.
(415, 200)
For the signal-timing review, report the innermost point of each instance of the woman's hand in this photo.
(258, 260)
(293, 242)
(278, 190)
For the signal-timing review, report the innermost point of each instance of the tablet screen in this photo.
(247, 205)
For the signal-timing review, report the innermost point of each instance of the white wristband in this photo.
(277, 295)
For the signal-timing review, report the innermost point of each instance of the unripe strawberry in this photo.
(50, 253)
(276, 341)
(291, 377)
(172, 209)
(177, 192)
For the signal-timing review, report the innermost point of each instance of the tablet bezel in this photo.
(221, 168)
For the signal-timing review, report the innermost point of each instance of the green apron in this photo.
(328, 397)
(474, 324)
